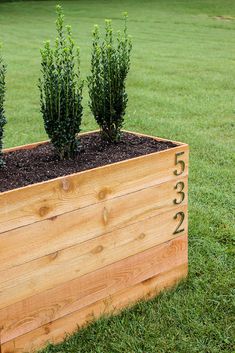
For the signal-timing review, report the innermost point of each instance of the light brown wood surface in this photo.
(55, 331)
(50, 236)
(65, 194)
(82, 291)
(88, 244)
(19, 282)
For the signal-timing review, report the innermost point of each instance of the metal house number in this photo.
(181, 216)
(179, 162)
(179, 187)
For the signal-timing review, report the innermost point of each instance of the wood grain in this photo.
(50, 236)
(45, 200)
(55, 331)
(80, 292)
(30, 278)
(88, 244)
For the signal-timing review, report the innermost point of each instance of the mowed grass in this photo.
(181, 86)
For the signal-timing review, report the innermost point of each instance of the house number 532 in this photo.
(179, 187)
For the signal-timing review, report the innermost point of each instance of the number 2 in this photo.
(181, 215)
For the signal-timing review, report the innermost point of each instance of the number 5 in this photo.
(180, 162)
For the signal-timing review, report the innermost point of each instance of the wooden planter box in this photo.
(77, 247)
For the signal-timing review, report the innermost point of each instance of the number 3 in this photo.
(180, 162)
(180, 192)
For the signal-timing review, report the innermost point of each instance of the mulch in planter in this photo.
(25, 167)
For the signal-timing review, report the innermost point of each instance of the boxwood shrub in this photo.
(61, 90)
(110, 63)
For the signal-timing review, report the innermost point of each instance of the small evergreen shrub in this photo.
(2, 100)
(110, 63)
(61, 90)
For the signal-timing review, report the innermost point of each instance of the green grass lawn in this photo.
(181, 86)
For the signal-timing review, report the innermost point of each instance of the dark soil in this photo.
(24, 167)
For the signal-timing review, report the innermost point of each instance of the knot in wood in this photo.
(66, 186)
(43, 211)
(105, 215)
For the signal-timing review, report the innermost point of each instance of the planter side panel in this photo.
(82, 291)
(113, 235)
(50, 237)
(41, 201)
(167, 276)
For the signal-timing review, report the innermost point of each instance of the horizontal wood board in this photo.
(120, 220)
(82, 291)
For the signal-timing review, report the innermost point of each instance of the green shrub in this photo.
(61, 90)
(110, 63)
(2, 100)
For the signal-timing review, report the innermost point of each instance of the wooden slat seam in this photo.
(100, 235)
(185, 176)
(114, 309)
(185, 233)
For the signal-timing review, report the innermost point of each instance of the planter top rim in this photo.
(35, 144)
